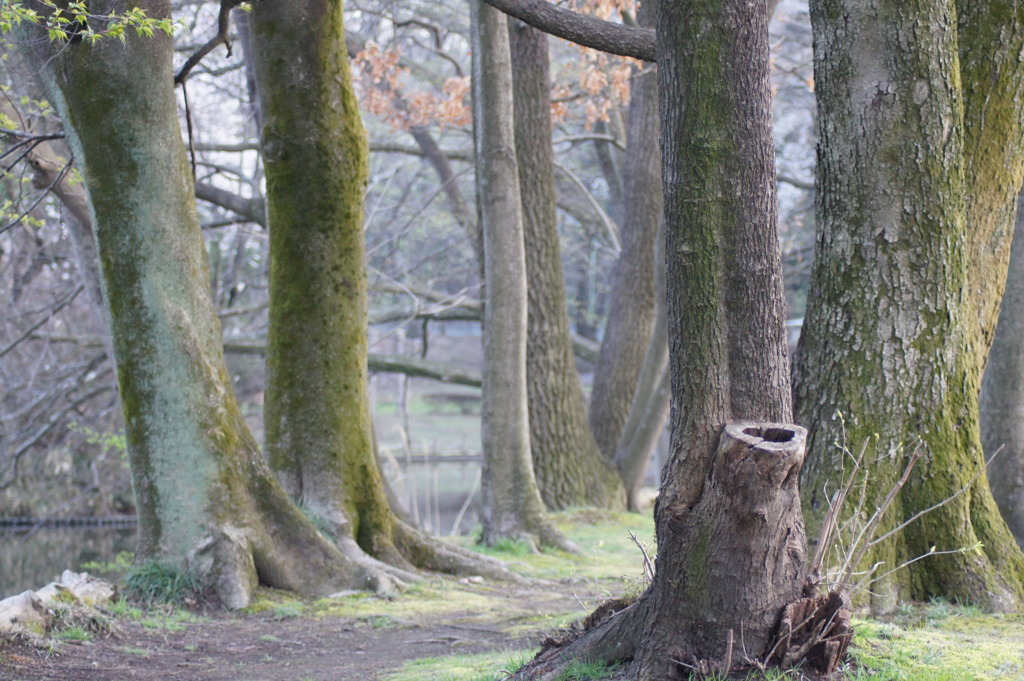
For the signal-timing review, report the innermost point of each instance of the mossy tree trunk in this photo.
(319, 432)
(569, 467)
(317, 415)
(919, 159)
(1002, 395)
(207, 501)
(512, 506)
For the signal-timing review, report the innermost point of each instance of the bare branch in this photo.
(223, 24)
(57, 308)
(410, 366)
(794, 182)
(581, 29)
(252, 210)
(610, 228)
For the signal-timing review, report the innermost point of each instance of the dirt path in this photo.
(326, 646)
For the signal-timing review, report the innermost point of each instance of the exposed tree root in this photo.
(813, 633)
(430, 553)
(612, 638)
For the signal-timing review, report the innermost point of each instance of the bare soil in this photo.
(317, 647)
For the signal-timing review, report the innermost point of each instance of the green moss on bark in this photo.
(891, 337)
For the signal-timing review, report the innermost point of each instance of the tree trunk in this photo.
(649, 411)
(319, 437)
(317, 415)
(632, 309)
(512, 507)
(206, 500)
(727, 349)
(570, 469)
(894, 328)
(731, 547)
(1002, 395)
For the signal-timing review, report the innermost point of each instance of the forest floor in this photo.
(446, 629)
(457, 624)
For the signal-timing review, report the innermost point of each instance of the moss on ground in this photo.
(938, 641)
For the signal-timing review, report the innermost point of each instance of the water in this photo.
(440, 497)
(30, 559)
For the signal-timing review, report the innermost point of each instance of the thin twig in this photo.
(188, 127)
(648, 567)
(223, 24)
(727, 660)
(863, 542)
(53, 312)
(942, 503)
(31, 136)
(865, 584)
(832, 517)
(60, 177)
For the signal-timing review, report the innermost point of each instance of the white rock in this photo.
(24, 612)
(55, 592)
(86, 588)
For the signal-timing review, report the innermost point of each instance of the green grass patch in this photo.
(73, 633)
(479, 667)
(114, 569)
(123, 609)
(153, 582)
(939, 642)
(608, 555)
(582, 670)
(176, 619)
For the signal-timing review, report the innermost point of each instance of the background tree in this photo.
(917, 182)
(207, 501)
(512, 507)
(632, 306)
(1002, 395)
(569, 467)
(650, 408)
(319, 437)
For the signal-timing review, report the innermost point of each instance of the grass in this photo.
(153, 582)
(124, 610)
(478, 667)
(939, 641)
(73, 633)
(935, 641)
(607, 555)
(583, 670)
(176, 619)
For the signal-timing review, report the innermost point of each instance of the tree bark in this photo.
(727, 346)
(731, 547)
(512, 507)
(317, 414)
(582, 29)
(569, 467)
(1002, 395)
(207, 502)
(632, 307)
(649, 411)
(895, 334)
(319, 435)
